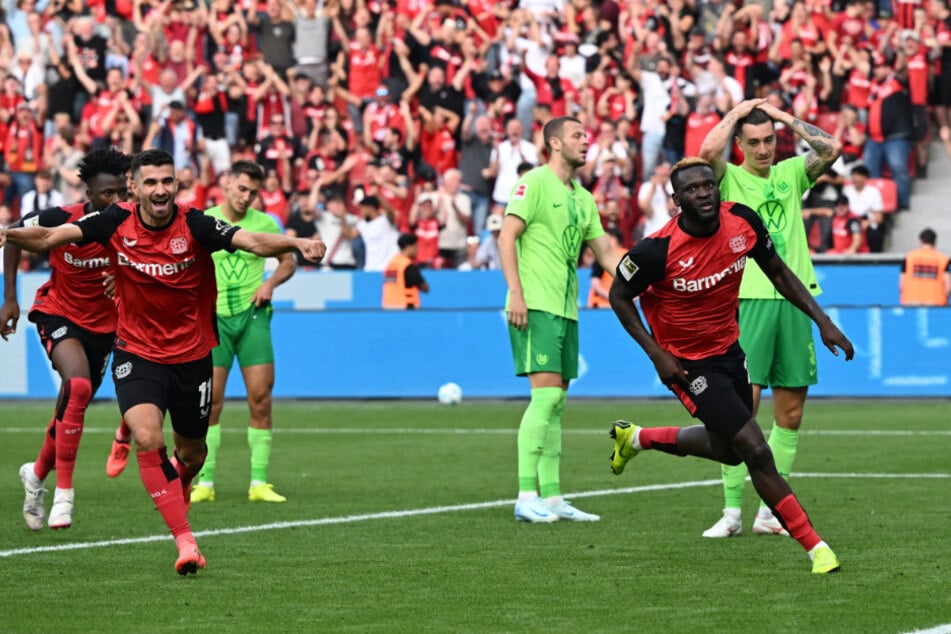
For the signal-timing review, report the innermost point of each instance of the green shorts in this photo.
(548, 344)
(247, 336)
(777, 339)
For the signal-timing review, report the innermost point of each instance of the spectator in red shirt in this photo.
(427, 217)
(848, 235)
(22, 152)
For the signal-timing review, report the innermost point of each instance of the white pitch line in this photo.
(349, 519)
(490, 432)
(937, 629)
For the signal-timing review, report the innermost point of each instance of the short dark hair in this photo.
(370, 201)
(860, 170)
(104, 161)
(555, 128)
(928, 236)
(249, 168)
(151, 158)
(756, 117)
(406, 239)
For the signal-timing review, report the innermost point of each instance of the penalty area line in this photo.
(434, 510)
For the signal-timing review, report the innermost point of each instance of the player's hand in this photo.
(669, 370)
(518, 312)
(745, 107)
(109, 284)
(313, 249)
(263, 295)
(832, 337)
(9, 316)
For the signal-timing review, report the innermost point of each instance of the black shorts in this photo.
(181, 389)
(720, 394)
(942, 90)
(53, 329)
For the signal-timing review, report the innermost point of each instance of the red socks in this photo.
(123, 433)
(76, 394)
(660, 438)
(46, 460)
(159, 477)
(794, 518)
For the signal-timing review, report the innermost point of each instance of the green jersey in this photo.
(778, 202)
(239, 274)
(558, 220)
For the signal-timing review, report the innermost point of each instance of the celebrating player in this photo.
(76, 322)
(688, 278)
(165, 285)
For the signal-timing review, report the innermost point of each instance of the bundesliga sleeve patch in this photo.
(627, 268)
(519, 192)
(32, 221)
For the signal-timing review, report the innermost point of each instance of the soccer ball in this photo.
(450, 394)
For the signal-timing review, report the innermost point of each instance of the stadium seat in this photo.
(889, 192)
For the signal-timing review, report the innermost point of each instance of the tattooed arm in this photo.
(825, 148)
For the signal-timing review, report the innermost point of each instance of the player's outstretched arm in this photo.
(668, 367)
(719, 138)
(792, 289)
(273, 244)
(10, 309)
(39, 239)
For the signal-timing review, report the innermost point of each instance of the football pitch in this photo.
(399, 519)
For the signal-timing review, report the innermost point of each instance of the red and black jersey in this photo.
(74, 290)
(165, 279)
(689, 285)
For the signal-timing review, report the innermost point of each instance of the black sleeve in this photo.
(764, 249)
(643, 265)
(51, 217)
(855, 226)
(211, 233)
(413, 277)
(100, 225)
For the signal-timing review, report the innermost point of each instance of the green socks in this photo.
(549, 464)
(533, 434)
(260, 442)
(782, 442)
(206, 477)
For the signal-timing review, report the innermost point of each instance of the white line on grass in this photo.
(483, 432)
(349, 519)
(937, 629)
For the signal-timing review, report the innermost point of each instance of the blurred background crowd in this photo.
(374, 118)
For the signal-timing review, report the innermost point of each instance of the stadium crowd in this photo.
(381, 117)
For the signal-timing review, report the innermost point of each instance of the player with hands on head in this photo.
(775, 335)
(693, 339)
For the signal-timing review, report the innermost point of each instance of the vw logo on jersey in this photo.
(774, 215)
(571, 240)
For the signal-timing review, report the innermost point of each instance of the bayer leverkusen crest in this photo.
(738, 244)
(178, 245)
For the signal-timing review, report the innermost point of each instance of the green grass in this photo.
(643, 568)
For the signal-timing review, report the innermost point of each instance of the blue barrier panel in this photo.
(377, 354)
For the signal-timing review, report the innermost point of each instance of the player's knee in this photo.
(547, 400)
(759, 457)
(78, 391)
